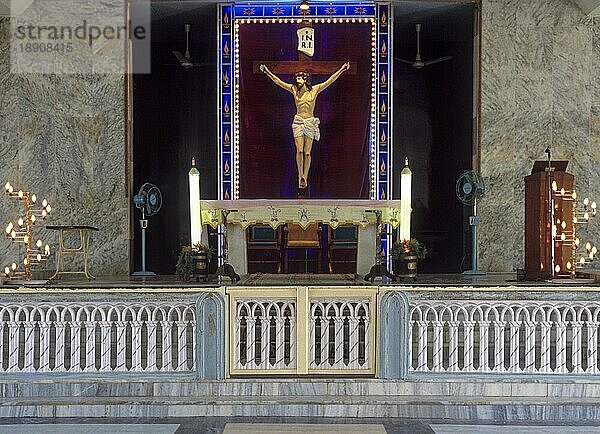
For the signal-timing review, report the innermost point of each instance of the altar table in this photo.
(274, 212)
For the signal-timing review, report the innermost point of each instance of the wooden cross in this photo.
(303, 64)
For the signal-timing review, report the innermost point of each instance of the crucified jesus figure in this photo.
(304, 126)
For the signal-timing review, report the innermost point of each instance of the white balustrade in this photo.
(105, 337)
(340, 334)
(265, 337)
(525, 337)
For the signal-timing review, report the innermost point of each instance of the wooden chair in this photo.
(342, 246)
(264, 249)
(296, 238)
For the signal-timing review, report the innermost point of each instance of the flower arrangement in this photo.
(408, 247)
(186, 262)
(199, 247)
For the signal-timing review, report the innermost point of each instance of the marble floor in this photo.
(591, 279)
(271, 425)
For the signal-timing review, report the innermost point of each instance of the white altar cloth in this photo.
(275, 212)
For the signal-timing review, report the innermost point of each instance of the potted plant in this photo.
(406, 254)
(194, 261)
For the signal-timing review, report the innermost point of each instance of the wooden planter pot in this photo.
(202, 263)
(406, 266)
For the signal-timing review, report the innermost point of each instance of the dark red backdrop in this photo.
(340, 159)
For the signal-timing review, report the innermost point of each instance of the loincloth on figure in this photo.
(308, 127)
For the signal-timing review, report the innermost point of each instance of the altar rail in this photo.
(495, 337)
(299, 330)
(105, 337)
(302, 330)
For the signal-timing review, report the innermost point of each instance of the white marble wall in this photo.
(540, 87)
(63, 137)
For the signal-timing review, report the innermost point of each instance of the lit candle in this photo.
(6, 271)
(33, 198)
(20, 194)
(195, 212)
(405, 201)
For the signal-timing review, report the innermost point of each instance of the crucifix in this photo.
(305, 125)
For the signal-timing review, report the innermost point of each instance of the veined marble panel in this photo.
(550, 13)
(497, 69)
(571, 70)
(534, 48)
(496, 235)
(555, 83)
(595, 74)
(497, 88)
(570, 133)
(63, 137)
(533, 90)
(595, 133)
(533, 133)
(533, 60)
(497, 141)
(502, 13)
(4, 40)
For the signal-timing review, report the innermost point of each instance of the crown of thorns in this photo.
(302, 74)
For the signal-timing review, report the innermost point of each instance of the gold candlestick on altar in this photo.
(21, 232)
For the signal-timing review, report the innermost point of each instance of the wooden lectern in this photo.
(539, 196)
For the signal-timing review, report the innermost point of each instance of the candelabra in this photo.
(21, 232)
(565, 229)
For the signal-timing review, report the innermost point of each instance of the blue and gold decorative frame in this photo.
(231, 15)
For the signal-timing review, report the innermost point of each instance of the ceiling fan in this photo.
(418, 63)
(184, 59)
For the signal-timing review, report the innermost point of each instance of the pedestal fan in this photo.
(469, 189)
(148, 201)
